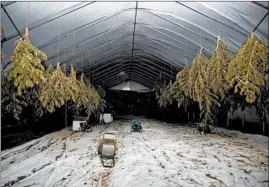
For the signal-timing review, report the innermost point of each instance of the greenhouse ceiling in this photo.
(140, 39)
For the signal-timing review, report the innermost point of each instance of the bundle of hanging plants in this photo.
(11, 102)
(262, 102)
(166, 97)
(56, 91)
(94, 100)
(88, 98)
(218, 67)
(247, 69)
(179, 90)
(102, 102)
(159, 85)
(73, 85)
(101, 92)
(82, 99)
(199, 88)
(27, 69)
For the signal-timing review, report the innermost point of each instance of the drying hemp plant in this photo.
(199, 89)
(82, 99)
(74, 91)
(217, 69)
(27, 69)
(101, 92)
(166, 97)
(102, 102)
(11, 102)
(94, 100)
(56, 90)
(159, 85)
(262, 102)
(247, 69)
(179, 90)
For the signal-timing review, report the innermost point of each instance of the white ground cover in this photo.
(160, 156)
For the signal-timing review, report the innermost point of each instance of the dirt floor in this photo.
(162, 155)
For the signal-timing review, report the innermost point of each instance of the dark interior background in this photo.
(119, 103)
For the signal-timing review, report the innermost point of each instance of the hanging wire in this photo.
(65, 117)
(218, 36)
(219, 32)
(58, 53)
(74, 35)
(59, 32)
(28, 14)
(170, 73)
(82, 62)
(252, 17)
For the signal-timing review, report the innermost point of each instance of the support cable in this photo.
(11, 23)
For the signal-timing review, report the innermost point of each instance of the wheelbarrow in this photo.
(136, 126)
(107, 149)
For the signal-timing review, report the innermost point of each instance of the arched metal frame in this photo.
(164, 51)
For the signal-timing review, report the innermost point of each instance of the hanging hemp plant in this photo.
(158, 86)
(87, 97)
(55, 92)
(82, 99)
(2, 36)
(72, 84)
(102, 102)
(166, 97)
(94, 100)
(27, 69)
(218, 67)
(180, 90)
(11, 102)
(101, 92)
(262, 103)
(199, 88)
(247, 69)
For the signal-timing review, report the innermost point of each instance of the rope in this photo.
(82, 63)
(219, 32)
(50, 53)
(28, 14)
(59, 32)
(170, 73)
(252, 17)
(65, 117)
(74, 44)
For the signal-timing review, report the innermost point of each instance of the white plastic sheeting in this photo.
(249, 114)
(93, 34)
(131, 86)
